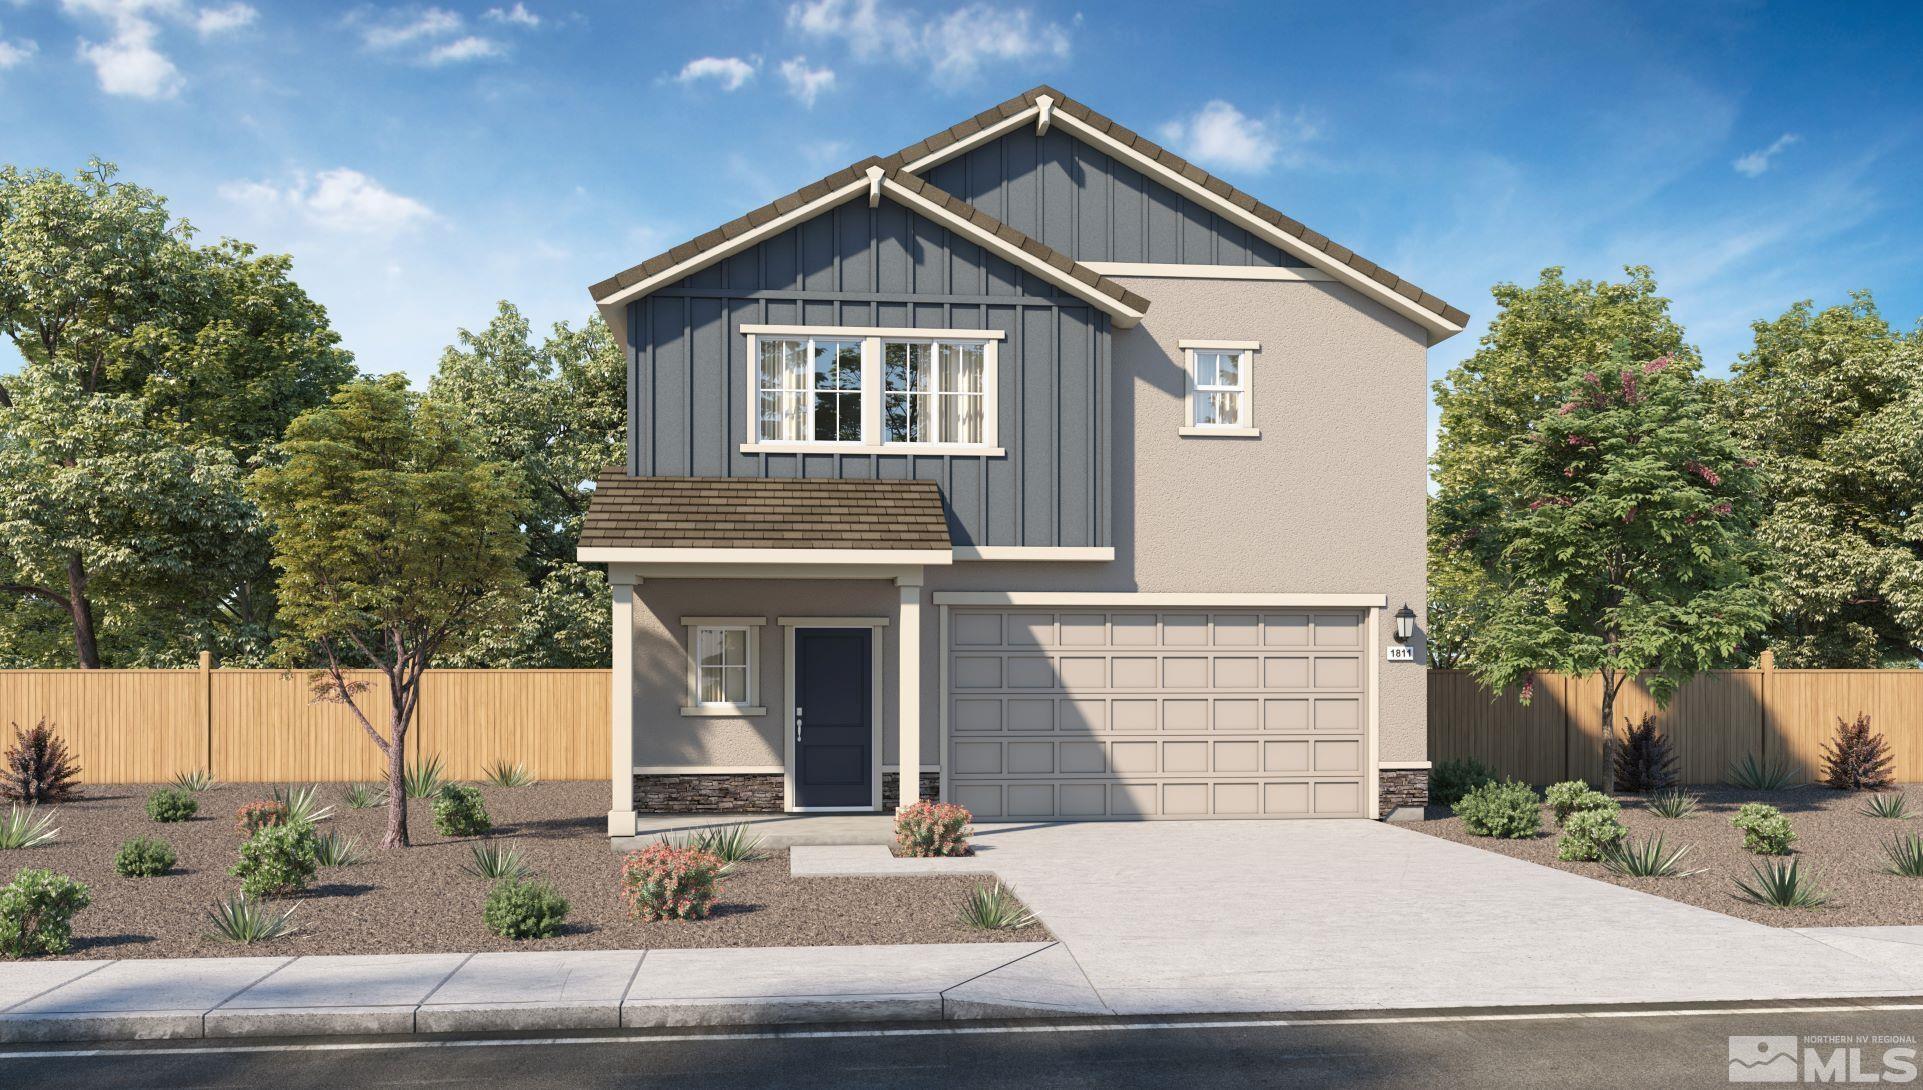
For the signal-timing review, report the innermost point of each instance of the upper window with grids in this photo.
(810, 390)
(935, 392)
(872, 391)
(1220, 397)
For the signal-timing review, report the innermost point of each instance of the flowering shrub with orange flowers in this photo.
(663, 882)
(929, 829)
(259, 814)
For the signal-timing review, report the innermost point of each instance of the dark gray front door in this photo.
(834, 726)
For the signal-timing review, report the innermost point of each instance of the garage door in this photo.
(1166, 714)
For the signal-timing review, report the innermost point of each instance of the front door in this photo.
(833, 719)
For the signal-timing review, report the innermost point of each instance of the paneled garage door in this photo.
(1166, 714)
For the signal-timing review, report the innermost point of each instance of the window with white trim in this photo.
(863, 390)
(1219, 393)
(723, 665)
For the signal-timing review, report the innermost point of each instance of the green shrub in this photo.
(143, 857)
(1574, 796)
(1451, 780)
(930, 829)
(36, 913)
(1587, 833)
(279, 859)
(663, 882)
(1765, 830)
(524, 910)
(458, 811)
(172, 804)
(1509, 809)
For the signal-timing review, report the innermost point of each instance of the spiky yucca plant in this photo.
(1782, 884)
(1674, 803)
(240, 919)
(994, 908)
(507, 774)
(1646, 858)
(423, 779)
(362, 796)
(496, 862)
(38, 767)
(27, 827)
(1645, 761)
(1905, 854)
(1893, 805)
(196, 781)
(1856, 759)
(1752, 774)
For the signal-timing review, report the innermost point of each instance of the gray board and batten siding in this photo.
(886, 267)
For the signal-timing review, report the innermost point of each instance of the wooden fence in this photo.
(143, 726)
(1718, 717)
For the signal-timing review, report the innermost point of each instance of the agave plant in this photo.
(423, 778)
(1893, 805)
(196, 781)
(495, 862)
(338, 850)
(1905, 854)
(27, 827)
(1752, 774)
(994, 908)
(1674, 803)
(1782, 884)
(246, 921)
(303, 804)
(361, 796)
(730, 843)
(504, 774)
(1646, 858)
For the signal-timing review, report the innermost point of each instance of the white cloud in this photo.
(730, 72)
(128, 63)
(954, 47)
(341, 199)
(518, 15)
(1760, 160)
(211, 21)
(16, 52)
(1222, 136)
(421, 25)
(806, 83)
(470, 48)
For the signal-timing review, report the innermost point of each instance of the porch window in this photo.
(862, 390)
(723, 666)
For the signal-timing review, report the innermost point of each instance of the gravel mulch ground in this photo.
(1840, 845)
(419, 900)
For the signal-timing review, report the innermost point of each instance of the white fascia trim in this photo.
(723, 711)
(706, 770)
(725, 622)
(1405, 766)
(1204, 272)
(918, 450)
(1193, 431)
(974, 140)
(804, 557)
(1155, 598)
(1429, 320)
(1123, 315)
(903, 332)
(1222, 346)
(832, 622)
(736, 244)
(924, 768)
(1034, 552)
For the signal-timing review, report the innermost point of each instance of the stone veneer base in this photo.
(1403, 787)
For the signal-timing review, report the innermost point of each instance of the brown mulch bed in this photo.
(419, 900)
(1840, 845)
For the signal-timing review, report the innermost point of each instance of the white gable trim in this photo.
(1123, 314)
(973, 140)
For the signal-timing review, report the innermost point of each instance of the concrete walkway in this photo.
(775, 830)
(535, 991)
(1217, 916)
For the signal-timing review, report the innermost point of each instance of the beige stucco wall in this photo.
(1330, 498)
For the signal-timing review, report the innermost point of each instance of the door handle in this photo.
(797, 724)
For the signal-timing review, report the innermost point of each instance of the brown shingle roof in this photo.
(762, 513)
(1179, 165)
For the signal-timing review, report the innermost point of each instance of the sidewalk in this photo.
(507, 992)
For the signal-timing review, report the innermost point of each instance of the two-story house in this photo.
(1031, 460)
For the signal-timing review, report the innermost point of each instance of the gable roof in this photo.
(875, 177)
(1048, 106)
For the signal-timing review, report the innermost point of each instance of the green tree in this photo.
(97, 509)
(557, 411)
(1631, 552)
(213, 347)
(393, 538)
(1832, 401)
(1489, 405)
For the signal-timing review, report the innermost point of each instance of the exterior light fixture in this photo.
(1405, 623)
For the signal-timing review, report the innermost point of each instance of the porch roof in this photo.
(764, 513)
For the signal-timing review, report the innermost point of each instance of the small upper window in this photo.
(1219, 388)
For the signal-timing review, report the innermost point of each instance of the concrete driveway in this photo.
(1242, 916)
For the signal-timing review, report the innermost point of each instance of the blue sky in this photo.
(422, 161)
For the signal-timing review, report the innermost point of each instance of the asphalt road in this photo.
(1645, 1049)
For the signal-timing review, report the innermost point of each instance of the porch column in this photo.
(621, 582)
(909, 678)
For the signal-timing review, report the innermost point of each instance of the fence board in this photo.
(1718, 717)
(555, 721)
(122, 726)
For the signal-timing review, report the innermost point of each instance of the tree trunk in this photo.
(1609, 732)
(85, 647)
(396, 786)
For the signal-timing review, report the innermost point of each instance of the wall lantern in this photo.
(1405, 623)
